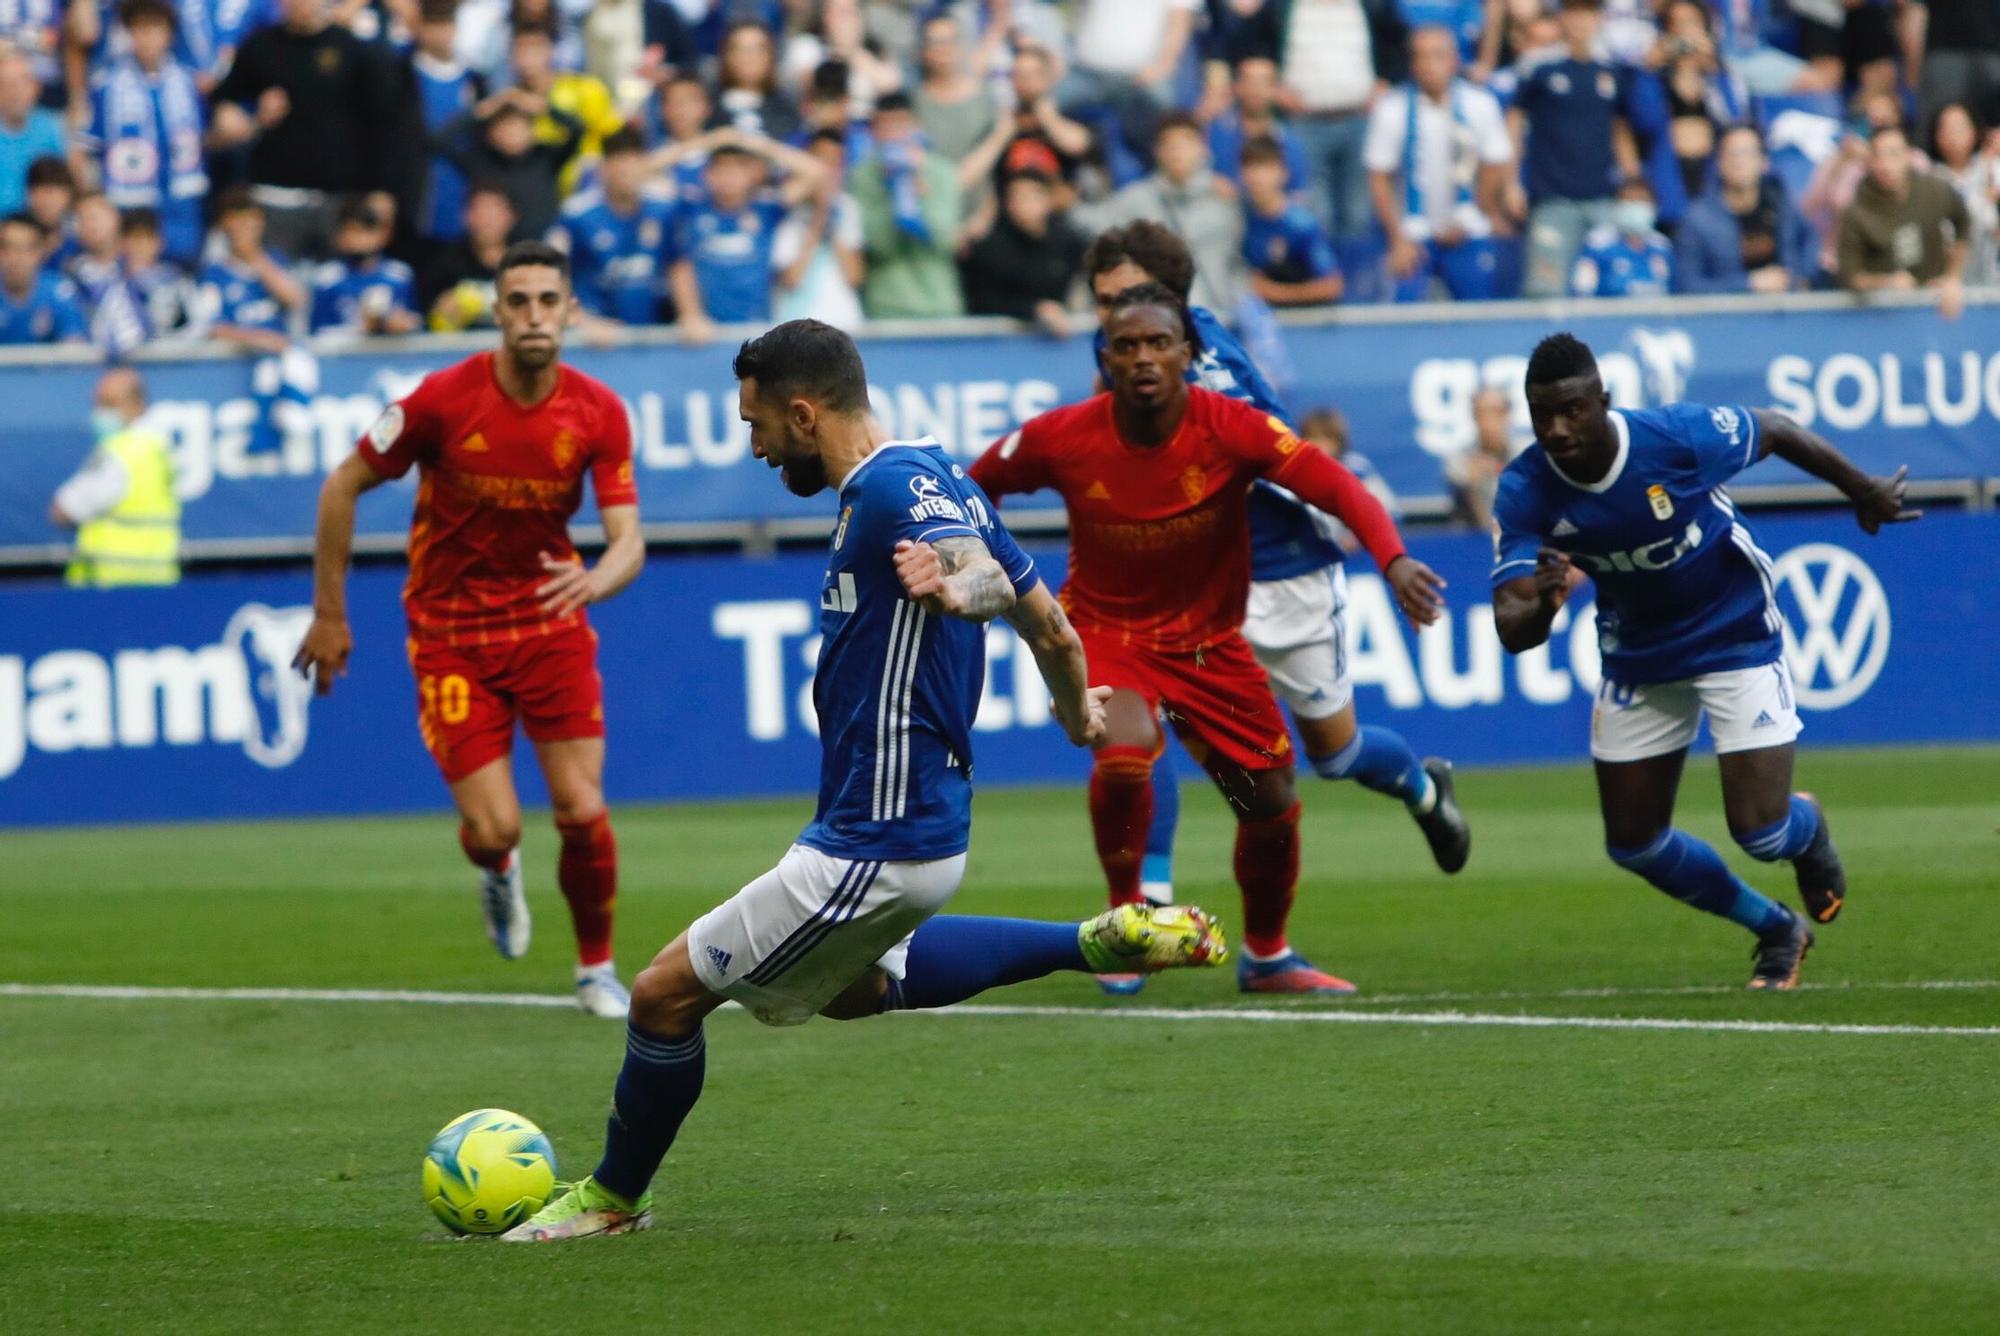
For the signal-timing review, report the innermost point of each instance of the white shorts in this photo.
(1747, 708)
(795, 938)
(1298, 629)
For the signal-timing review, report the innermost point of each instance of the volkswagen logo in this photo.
(1836, 623)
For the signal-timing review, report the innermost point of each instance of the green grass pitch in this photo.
(195, 1166)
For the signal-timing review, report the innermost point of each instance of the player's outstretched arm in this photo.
(1877, 501)
(1323, 481)
(1058, 651)
(328, 642)
(956, 577)
(1524, 610)
(572, 585)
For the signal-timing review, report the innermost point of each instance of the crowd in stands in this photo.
(258, 171)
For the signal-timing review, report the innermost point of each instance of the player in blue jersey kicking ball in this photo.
(1296, 626)
(1688, 622)
(843, 926)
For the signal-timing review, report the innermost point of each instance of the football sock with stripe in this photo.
(1785, 838)
(1267, 870)
(1379, 759)
(1121, 810)
(1156, 868)
(956, 956)
(587, 871)
(1694, 873)
(660, 1082)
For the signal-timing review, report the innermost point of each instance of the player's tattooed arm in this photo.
(1877, 501)
(955, 576)
(1058, 651)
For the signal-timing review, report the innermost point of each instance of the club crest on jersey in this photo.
(840, 529)
(1194, 482)
(563, 447)
(932, 503)
(1662, 504)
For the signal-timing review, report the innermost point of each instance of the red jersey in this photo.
(498, 484)
(1159, 536)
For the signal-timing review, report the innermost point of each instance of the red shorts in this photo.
(468, 696)
(1218, 699)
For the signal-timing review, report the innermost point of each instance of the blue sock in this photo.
(660, 1082)
(956, 956)
(1785, 838)
(1693, 873)
(1379, 759)
(1158, 864)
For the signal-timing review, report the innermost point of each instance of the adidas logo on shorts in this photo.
(1764, 720)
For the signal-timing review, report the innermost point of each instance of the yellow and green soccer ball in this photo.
(487, 1171)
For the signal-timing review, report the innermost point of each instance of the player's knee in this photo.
(666, 1000)
(492, 832)
(860, 1001)
(1116, 764)
(1273, 797)
(578, 809)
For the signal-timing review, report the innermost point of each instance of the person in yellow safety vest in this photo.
(121, 502)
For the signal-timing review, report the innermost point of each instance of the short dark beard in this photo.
(805, 476)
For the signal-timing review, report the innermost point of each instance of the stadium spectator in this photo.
(27, 131)
(910, 206)
(1627, 256)
(747, 92)
(817, 252)
(36, 305)
(1904, 230)
(1124, 58)
(680, 135)
(1571, 131)
(1327, 428)
(1044, 139)
(1951, 53)
(1438, 157)
(618, 234)
(1186, 194)
(97, 271)
(1746, 235)
(1463, 20)
(723, 269)
(317, 107)
(457, 287)
(247, 296)
(486, 30)
(1840, 174)
(1288, 254)
(51, 201)
(1253, 111)
(837, 32)
(584, 99)
(165, 294)
(1028, 264)
(955, 108)
(1957, 158)
(144, 141)
(1473, 474)
(360, 291)
(121, 502)
(34, 28)
(827, 107)
(444, 88)
(635, 42)
(1702, 97)
(496, 142)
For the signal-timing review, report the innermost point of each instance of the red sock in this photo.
(490, 859)
(1121, 810)
(588, 875)
(1267, 868)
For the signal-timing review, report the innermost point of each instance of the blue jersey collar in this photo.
(923, 443)
(1612, 474)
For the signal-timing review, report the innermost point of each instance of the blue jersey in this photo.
(232, 294)
(345, 291)
(1682, 588)
(1287, 536)
(50, 314)
(1289, 248)
(444, 90)
(731, 254)
(617, 259)
(1572, 106)
(897, 687)
(1611, 264)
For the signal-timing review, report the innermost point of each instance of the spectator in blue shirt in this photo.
(1626, 257)
(36, 306)
(360, 291)
(52, 203)
(27, 131)
(147, 126)
(165, 293)
(1253, 112)
(681, 140)
(1289, 253)
(246, 296)
(35, 29)
(618, 234)
(722, 270)
(1746, 235)
(1572, 111)
(445, 90)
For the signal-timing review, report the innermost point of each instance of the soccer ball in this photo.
(487, 1171)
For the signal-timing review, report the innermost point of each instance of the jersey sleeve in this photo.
(1014, 463)
(1019, 566)
(1517, 541)
(611, 457)
(406, 433)
(1722, 439)
(1274, 452)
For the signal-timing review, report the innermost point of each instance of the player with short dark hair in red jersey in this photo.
(1155, 475)
(496, 595)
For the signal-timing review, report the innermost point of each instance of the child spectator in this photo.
(359, 291)
(36, 306)
(51, 199)
(910, 210)
(27, 131)
(619, 236)
(165, 295)
(96, 264)
(722, 269)
(1254, 112)
(1028, 264)
(504, 150)
(818, 247)
(146, 129)
(247, 296)
(583, 97)
(680, 126)
(445, 90)
(1626, 257)
(458, 291)
(1289, 254)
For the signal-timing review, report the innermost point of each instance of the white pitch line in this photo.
(1684, 990)
(1241, 1015)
